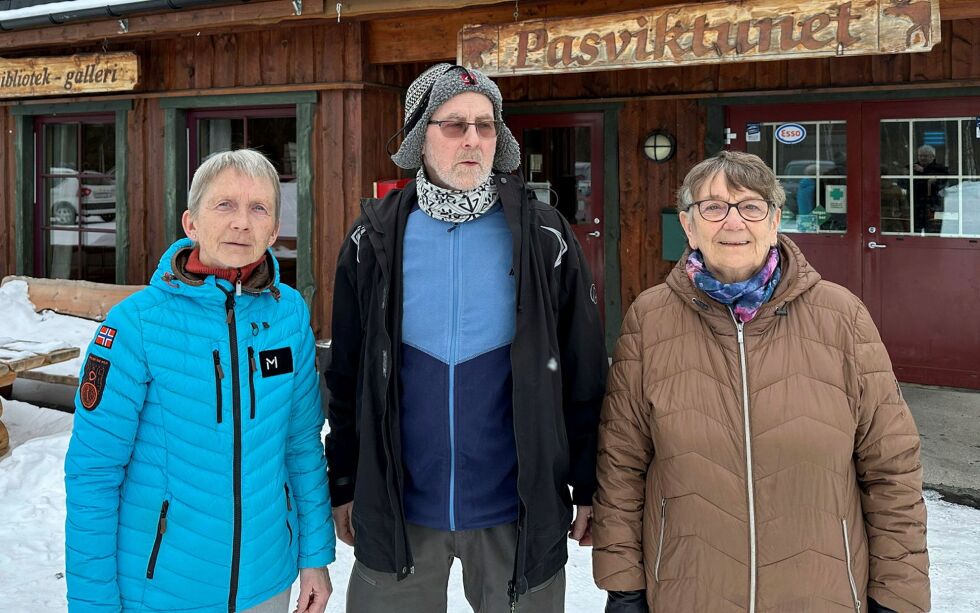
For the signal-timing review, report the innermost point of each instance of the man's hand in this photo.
(314, 590)
(342, 522)
(581, 528)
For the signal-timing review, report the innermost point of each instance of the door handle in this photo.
(594, 234)
(874, 245)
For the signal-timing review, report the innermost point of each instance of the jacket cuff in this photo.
(341, 490)
(319, 559)
(634, 601)
(874, 607)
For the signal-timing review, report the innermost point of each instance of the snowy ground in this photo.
(32, 517)
(32, 502)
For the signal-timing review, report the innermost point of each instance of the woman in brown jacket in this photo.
(755, 452)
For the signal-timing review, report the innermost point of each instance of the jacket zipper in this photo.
(850, 572)
(218, 376)
(453, 339)
(660, 543)
(161, 528)
(251, 381)
(237, 467)
(289, 507)
(749, 481)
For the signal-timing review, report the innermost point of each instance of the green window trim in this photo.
(175, 165)
(24, 176)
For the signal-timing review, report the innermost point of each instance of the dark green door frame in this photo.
(175, 164)
(24, 176)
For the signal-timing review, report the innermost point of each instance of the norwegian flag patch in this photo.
(105, 337)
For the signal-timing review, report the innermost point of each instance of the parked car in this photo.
(76, 196)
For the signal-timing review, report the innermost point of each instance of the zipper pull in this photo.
(238, 283)
(453, 227)
(162, 525)
(217, 365)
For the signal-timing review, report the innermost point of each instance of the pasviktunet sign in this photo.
(707, 33)
(75, 74)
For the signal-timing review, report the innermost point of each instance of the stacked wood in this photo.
(77, 298)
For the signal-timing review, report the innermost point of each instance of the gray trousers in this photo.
(487, 557)
(277, 604)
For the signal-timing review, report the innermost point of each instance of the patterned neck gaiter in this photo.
(745, 298)
(453, 205)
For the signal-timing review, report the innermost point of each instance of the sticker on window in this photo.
(790, 133)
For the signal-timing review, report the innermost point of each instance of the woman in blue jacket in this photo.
(195, 476)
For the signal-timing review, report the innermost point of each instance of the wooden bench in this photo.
(76, 298)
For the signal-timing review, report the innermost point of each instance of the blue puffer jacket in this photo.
(195, 476)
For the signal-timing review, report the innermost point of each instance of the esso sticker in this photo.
(790, 133)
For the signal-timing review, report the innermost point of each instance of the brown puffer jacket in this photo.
(813, 505)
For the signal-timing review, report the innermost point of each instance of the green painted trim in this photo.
(109, 106)
(203, 101)
(122, 203)
(24, 195)
(613, 298)
(305, 204)
(174, 172)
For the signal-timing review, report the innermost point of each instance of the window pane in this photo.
(98, 148)
(936, 147)
(971, 148)
(60, 148)
(813, 174)
(763, 146)
(275, 138)
(895, 150)
(219, 135)
(62, 201)
(895, 213)
(558, 168)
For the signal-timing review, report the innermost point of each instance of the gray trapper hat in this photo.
(431, 90)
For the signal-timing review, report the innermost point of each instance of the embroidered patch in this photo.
(105, 337)
(594, 294)
(93, 381)
(276, 362)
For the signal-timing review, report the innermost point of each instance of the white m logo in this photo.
(271, 363)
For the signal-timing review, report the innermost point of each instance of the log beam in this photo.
(76, 298)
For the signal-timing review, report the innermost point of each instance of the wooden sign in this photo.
(708, 33)
(76, 74)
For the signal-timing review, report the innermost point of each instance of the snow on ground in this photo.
(18, 321)
(32, 516)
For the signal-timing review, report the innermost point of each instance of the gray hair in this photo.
(248, 162)
(927, 149)
(741, 170)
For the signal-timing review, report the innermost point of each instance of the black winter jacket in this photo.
(559, 365)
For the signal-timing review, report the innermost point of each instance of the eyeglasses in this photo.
(754, 209)
(452, 128)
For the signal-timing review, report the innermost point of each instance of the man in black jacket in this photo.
(467, 371)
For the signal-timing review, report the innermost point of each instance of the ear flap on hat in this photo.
(421, 107)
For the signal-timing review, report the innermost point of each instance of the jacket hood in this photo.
(172, 276)
(797, 277)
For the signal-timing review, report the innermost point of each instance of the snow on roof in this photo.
(65, 6)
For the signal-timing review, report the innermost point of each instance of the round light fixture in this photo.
(659, 146)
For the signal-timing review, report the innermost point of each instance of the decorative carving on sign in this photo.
(714, 32)
(76, 74)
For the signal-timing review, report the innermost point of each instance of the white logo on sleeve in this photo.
(562, 245)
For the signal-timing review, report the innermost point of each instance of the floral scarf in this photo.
(453, 205)
(744, 298)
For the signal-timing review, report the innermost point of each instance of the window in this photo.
(269, 130)
(75, 219)
(930, 177)
(811, 164)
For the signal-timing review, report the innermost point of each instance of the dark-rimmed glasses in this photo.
(753, 209)
(453, 128)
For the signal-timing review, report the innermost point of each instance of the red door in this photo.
(561, 161)
(884, 198)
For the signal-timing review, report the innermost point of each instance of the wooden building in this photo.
(322, 96)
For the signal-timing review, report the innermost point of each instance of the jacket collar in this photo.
(797, 277)
(172, 274)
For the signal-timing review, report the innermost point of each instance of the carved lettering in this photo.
(565, 42)
(589, 48)
(523, 46)
(812, 25)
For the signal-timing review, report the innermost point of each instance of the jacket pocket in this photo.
(850, 569)
(161, 528)
(251, 382)
(218, 376)
(660, 541)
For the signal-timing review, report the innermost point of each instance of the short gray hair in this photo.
(927, 149)
(741, 170)
(248, 162)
